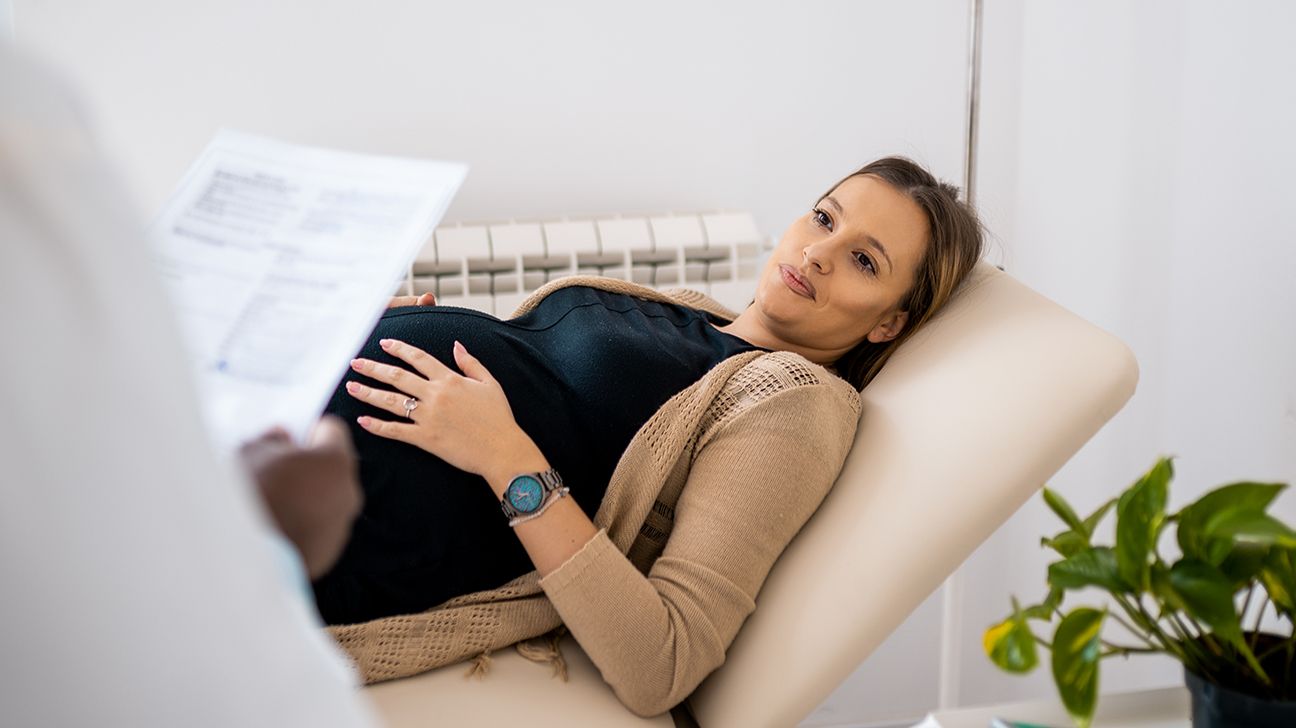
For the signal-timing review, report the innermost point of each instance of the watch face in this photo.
(525, 493)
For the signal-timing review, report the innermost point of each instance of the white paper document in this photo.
(279, 260)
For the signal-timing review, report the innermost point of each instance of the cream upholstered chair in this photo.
(966, 421)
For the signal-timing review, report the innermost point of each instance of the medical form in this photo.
(279, 259)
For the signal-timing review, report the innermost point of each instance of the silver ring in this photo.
(410, 404)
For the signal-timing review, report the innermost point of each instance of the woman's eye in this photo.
(865, 262)
(821, 218)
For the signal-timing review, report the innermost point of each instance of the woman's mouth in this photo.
(797, 282)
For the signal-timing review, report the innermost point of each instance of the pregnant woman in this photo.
(625, 462)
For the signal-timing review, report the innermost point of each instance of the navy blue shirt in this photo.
(583, 372)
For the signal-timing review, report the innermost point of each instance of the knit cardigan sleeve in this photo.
(750, 489)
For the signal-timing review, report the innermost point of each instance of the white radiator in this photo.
(492, 267)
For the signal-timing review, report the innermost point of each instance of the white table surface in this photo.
(1164, 708)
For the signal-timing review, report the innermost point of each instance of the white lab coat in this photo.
(138, 584)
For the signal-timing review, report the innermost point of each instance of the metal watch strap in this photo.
(549, 500)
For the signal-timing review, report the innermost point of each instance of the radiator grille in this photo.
(492, 267)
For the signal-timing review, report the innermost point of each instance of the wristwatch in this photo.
(528, 492)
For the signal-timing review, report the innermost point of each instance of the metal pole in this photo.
(952, 592)
(973, 101)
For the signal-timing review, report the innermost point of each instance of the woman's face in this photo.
(837, 276)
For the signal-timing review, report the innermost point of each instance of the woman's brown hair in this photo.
(954, 246)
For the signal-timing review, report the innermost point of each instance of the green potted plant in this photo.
(1230, 550)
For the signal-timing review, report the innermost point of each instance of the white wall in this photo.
(1138, 163)
(578, 107)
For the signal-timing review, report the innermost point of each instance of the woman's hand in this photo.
(427, 299)
(462, 419)
(466, 421)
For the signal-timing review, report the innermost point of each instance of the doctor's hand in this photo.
(427, 299)
(313, 492)
(463, 419)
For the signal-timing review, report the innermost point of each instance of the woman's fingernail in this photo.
(352, 387)
(364, 421)
(458, 346)
(384, 343)
(356, 363)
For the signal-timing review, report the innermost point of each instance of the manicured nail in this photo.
(357, 363)
(353, 387)
(459, 347)
(364, 421)
(385, 343)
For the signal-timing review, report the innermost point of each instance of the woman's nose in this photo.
(817, 254)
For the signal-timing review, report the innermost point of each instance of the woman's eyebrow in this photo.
(872, 241)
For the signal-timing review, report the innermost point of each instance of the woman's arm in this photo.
(751, 488)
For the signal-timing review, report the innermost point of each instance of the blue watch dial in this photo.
(525, 493)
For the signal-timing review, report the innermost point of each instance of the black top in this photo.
(583, 372)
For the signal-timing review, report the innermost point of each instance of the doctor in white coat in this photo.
(140, 581)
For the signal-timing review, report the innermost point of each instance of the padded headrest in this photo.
(967, 420)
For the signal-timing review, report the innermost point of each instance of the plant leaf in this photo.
(1279, 578)
(1010, 644)
(1207, 595)
(1054, 599)
(1095, 566)
(1254, 527)
(1091, 523)
(1167, 597)
(1139, 514)
(1064, 511)
(1244, 563)
(1045, 609)
(1076, 648)
(1197, 520)
(1067, 543)
(1239, 540)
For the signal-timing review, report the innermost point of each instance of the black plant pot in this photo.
(1214, 706)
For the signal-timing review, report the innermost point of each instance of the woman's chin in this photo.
(780, 316)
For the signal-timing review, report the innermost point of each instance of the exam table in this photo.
(963, 425)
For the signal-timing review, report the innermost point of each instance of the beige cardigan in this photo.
(704, 499)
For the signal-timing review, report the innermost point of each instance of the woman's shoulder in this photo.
(701, 302)
(786, 385)
(778, 371)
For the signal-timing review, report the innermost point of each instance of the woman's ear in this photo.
(889, 327)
